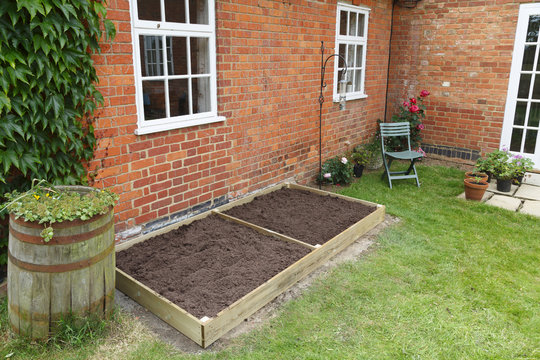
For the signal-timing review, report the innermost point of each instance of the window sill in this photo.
(150, 129)
(350, 97)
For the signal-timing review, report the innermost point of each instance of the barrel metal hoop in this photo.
(57, 225)
(60, 268)
(60, 240)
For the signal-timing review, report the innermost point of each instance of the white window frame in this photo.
(354, 40)
(161, 28)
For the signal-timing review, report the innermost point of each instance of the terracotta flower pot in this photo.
(475, 190)
(473, 174)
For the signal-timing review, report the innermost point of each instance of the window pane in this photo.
(532, 31)
(528, 58)
(151, 55)
(530, 141)
(201, 95)
(200, 60)
(198, 12)
(519, 117)
(350, 55)
(149, 10)
(343, 23)
(524, 86)
(359, 50)
(358, 81)
(534, 115)
(361, 19)
(175, 11)
(154, 99)
(179, 97)
(536, 89)
(342, 48)
(177, 56)
(352, 24)
(515, 142)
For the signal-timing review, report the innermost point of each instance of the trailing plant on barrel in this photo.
(47, 204)
(47, 91)
(414, 112)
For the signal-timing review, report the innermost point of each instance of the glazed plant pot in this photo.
(504, 185)
(358, 170)
(474, 190)
(474, 174)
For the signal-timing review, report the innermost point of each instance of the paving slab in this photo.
(531, 207)
(493, 188)
(528, 192)
(486, 197)
(504, 202)
(532, 179)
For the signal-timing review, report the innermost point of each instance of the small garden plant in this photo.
(47, 205)
(336, 171)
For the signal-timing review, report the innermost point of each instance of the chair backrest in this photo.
(396, 129)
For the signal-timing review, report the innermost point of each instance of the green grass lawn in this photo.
(453, 280)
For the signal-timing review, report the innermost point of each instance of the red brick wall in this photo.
(268, 70)
(468, 45)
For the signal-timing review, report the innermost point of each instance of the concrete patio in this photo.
(524, 198)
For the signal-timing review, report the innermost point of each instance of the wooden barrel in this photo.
(72, 273)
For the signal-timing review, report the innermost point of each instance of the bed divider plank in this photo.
(264, 230)
(206, 331)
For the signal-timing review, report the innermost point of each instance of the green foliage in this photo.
(336, 171)
(47, 205)
(47, 91)
(370, 151)
(503, 165)
(75, 331)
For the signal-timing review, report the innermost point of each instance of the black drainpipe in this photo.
(389, 57)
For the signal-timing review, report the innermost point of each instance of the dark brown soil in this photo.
(302, 215)
(208, 265)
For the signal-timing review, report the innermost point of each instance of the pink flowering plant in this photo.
(336, 171)
(412, 111)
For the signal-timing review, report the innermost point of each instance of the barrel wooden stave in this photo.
(37, 300)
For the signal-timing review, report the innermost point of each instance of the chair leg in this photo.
(387, 170)
(413, 168)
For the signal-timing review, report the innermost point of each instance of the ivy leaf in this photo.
(5, 103)
(32, 6)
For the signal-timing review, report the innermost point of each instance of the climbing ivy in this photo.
(47, 91)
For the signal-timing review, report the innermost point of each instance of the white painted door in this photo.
(522, 114)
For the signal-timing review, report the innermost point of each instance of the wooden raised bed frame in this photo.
(207, 330)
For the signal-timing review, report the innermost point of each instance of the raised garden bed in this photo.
(224, 268)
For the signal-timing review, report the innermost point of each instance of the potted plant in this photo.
(360, 159)
(372, 151)
(477, 174)
(484, 166)
(475, 187)
(62, 239)
(521, 165)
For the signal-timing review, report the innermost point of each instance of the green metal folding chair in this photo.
(400, 129)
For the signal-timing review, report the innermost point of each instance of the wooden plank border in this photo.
(207, 330)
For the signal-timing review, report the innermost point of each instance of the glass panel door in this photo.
(521, 121)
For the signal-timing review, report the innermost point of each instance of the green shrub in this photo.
(337, 171)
